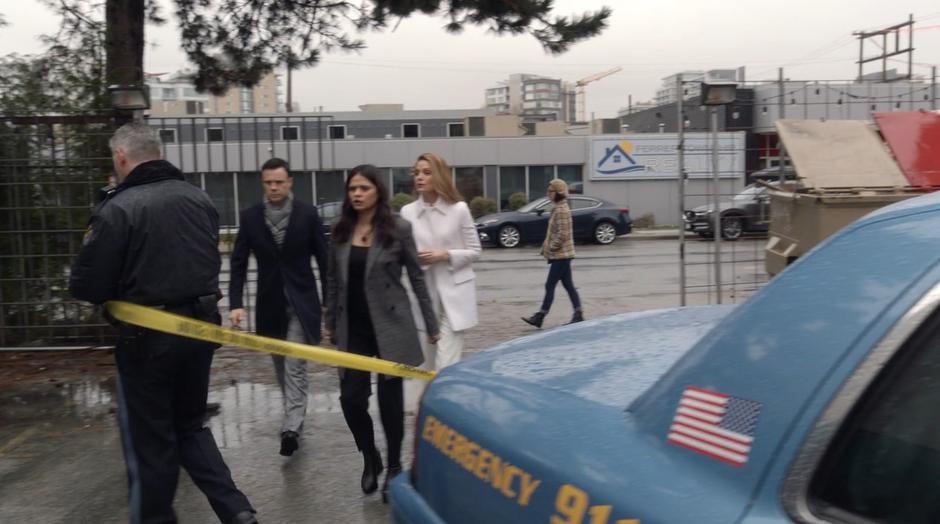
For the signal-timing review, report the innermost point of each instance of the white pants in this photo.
(447, 351)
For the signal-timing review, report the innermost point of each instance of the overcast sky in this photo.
(423, 67)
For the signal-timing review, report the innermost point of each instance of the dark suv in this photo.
(748, 211)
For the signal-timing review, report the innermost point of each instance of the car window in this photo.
(883, 464)
(329, 211)
(582, 203)
(533, 205)
(750, 193)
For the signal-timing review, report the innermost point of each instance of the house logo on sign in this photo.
(617, 160)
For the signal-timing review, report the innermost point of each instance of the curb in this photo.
(653, 234)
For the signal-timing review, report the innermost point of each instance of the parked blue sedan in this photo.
(814, 401)
(593, 219)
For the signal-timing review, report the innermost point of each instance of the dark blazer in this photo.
(284, 271)
(389, 307)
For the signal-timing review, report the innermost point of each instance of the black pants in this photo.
(355, 390)
(163, 382)
(560, 270)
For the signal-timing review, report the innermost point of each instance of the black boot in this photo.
(244, 517)
(578, 316)
(393, 472)
(290, 441)
(371, 468)
(536, 319)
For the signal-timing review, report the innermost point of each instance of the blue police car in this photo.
(814, 401)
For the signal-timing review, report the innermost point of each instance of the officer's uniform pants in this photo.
(163, 382)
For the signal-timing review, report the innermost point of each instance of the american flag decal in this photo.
(715, 425)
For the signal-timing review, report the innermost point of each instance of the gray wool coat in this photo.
(395, 331)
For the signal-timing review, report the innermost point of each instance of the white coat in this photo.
(446, 226)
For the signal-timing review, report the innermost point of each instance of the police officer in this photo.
(154, 242)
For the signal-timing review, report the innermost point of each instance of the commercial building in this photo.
(760, 104)
(668, 92)
(222, 155)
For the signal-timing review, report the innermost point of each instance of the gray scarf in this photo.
(278, 218)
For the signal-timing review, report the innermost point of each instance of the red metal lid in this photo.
(914, 138)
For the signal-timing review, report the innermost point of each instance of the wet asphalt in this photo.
(60, 451)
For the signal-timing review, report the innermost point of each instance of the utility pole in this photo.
(680, 151)
(290, 97)
(887, 50)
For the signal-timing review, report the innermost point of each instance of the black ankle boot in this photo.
(372, 467)
(393, 471)
(536, 319)
(290, 441)
(577, 317)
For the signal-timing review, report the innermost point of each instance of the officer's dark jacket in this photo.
(153, 241)
(284, 274)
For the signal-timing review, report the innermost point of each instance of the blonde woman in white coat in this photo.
(447, 247)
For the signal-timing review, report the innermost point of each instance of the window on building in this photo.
(574, 177)
(167, 136)
(221, 189)
(190, 91)
(194, 179)
(303, 186)
(250, 191)
(411, 130)
(246, 100)
(195, 108)
(455, 129)
(169, 93)
(331, 186)
(290, 133)
(402, 181)
(215, 134)
(469, 181)
(511, 180)
(336, 132)
(539, 177)
(884, 462)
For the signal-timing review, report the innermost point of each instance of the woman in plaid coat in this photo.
(558, 249)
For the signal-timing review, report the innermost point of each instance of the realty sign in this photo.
(655, 156)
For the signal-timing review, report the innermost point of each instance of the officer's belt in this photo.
(173, 324)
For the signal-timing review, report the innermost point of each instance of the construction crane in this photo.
(585, 81)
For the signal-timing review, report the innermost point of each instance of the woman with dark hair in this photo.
(558, 250)
(370, 246)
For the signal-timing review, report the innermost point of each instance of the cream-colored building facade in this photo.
(175, 95)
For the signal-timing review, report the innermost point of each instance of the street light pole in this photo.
(680, 150)
(716, 201)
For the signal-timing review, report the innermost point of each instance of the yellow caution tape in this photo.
(158, 320)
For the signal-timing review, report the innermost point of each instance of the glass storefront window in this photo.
(221, 189)
(194, 179)
(303, 190)
(469, 181)
(539, 177)
(250, 191)
(574, 177)
(511, 180)
(402, 181)
(330, 186)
